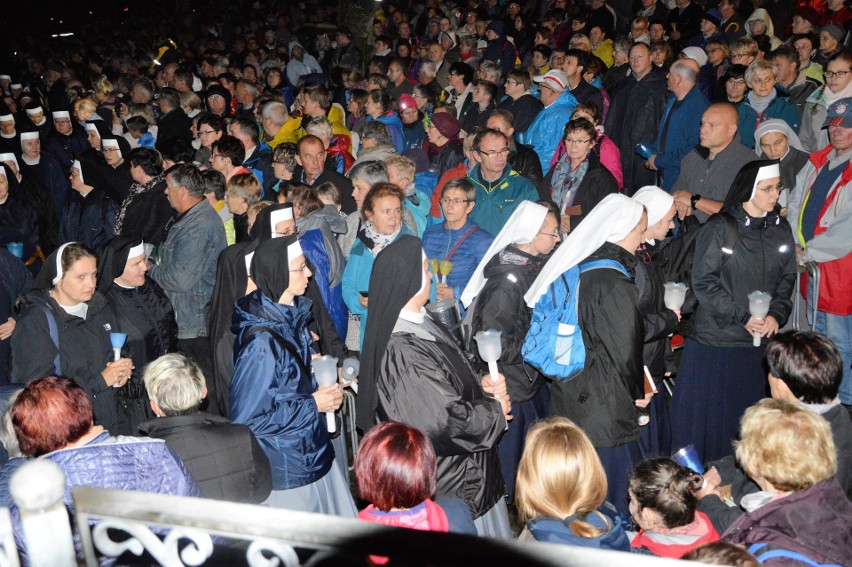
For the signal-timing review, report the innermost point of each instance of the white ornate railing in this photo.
(135, 527)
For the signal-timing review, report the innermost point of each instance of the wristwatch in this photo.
(694, 200)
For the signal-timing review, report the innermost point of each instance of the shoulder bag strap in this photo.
(53, 329)
(459, 243)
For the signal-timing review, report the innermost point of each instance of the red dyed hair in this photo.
(395, 466)
(50, 413)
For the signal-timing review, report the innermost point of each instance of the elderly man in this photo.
(311, 156)
(546, 130)
(187, 267)
(522, 158)
(820, 212)
(278, 126)
(708, 171)
(635, 115)
(678, 133)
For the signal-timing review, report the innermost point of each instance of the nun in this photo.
(413, 372)
(496, 294)
(116, 172)
(143, 311)
(17, 220)
(89, 215)
(28, 191)
(721, 372)
(274, 393)
(777, 140)
(659, 321)
(606, 397)
(64, 330)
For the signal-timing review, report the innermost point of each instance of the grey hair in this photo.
(275, 111)
(756, 67)
(428, 68)
(684, 70)
(371, 172)
(321, 128)
(7, 429)
(490, 71)
(175, 384)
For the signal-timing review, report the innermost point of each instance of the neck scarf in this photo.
(760, 103)
(380, 241)
(135, 190)
(566, 180)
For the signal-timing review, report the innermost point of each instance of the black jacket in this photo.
(84, 351)
(500, 305)
(224, 458)
(597, 183)
(763, 259)
(601, 398)
(524, 109)
(525, 161)
(175, 124)
(424, 380)
(118, 181)
(147, 215)
(659, 321)
(89, 220)
(448, 158)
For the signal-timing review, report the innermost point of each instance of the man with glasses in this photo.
(820, 213)
(546, 130)
(838, 84)
(499, 189)
(519, 101)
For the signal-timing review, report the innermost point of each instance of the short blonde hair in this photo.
(786, 444)
(244, 186)
(404, 166)
(86, 104)
(560, 474)
(755, 68)
(175, 384)
(190, 100)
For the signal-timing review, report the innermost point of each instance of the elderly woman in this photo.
(764, 102)
(496, 296)
(142, 311)
(788, 450)
(65, 331)
(274, 393)
(224, 458)
(382, 211)
(776, 140)
(413, 372)
(749, 247)
(578, 181)
(604, 399)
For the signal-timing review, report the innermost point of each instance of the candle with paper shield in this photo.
(490, 349)
(758, 306)
(350, 369)
(325, 371)
(434, 266)
(675, 295)
(445, 267)
(117, 340)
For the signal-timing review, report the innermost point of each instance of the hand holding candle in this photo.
(325, 371)
(758, 306)
(445, 267)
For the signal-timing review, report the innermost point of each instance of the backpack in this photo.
(554, 344)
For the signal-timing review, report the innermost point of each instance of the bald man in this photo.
(707, 172)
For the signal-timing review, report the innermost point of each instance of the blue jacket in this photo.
(356, 276)
(546, 130)
(394, 124)
(438, 240)
(315, 247)
(682, 135)
(89, 219)
(557, 531)
(260, 162)
(496, 201)
(780, 107)
(187, 267)
(273, 397)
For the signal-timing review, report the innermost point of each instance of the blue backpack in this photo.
(554, 344)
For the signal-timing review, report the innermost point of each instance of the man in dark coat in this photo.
(224, 458)
(174, 123)
(635, 114)
(519, 101)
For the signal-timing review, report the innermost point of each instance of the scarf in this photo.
(566, 180)
(135, 190)
(760, 103)
(380, 241)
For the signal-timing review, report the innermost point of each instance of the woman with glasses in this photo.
(210, 128)
(764, 102)
(838, 85)
(496, 296)
(721, 372)
(578, 181)
(273, 391)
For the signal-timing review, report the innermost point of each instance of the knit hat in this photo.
(497, 27)
(446, 124)
(833, 31)
(809, 15)
(713, 16)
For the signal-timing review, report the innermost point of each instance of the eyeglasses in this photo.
(570, 142)
(216, 155)
(551, 234)
(454, 202)
(204, 132)
(770, 188)
(289, 232)
(835, 74)
(108, 150)
(500, 152)
(302, 269)
(737, 82)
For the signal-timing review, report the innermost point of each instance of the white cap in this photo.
(61, 114)
(34, 111)
(5, 78)
(7, 118)
(294, 251)
(29, 136)
(16, 86)
(76, 165)
(279, 215)
(9, 157)
(136, 250)
(91, 128)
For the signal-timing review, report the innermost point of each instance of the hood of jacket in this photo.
(258, 309)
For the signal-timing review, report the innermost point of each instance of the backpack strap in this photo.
(53, 329)
(282, 342)
(773, 552)
(603, 263)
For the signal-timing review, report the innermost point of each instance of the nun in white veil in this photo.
(605, 398)
(497, 290)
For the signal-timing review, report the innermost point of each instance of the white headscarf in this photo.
(611, 221)
(524, 224)
(776, 125)
(657, 202)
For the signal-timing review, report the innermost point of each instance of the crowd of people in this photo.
(187, 226)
